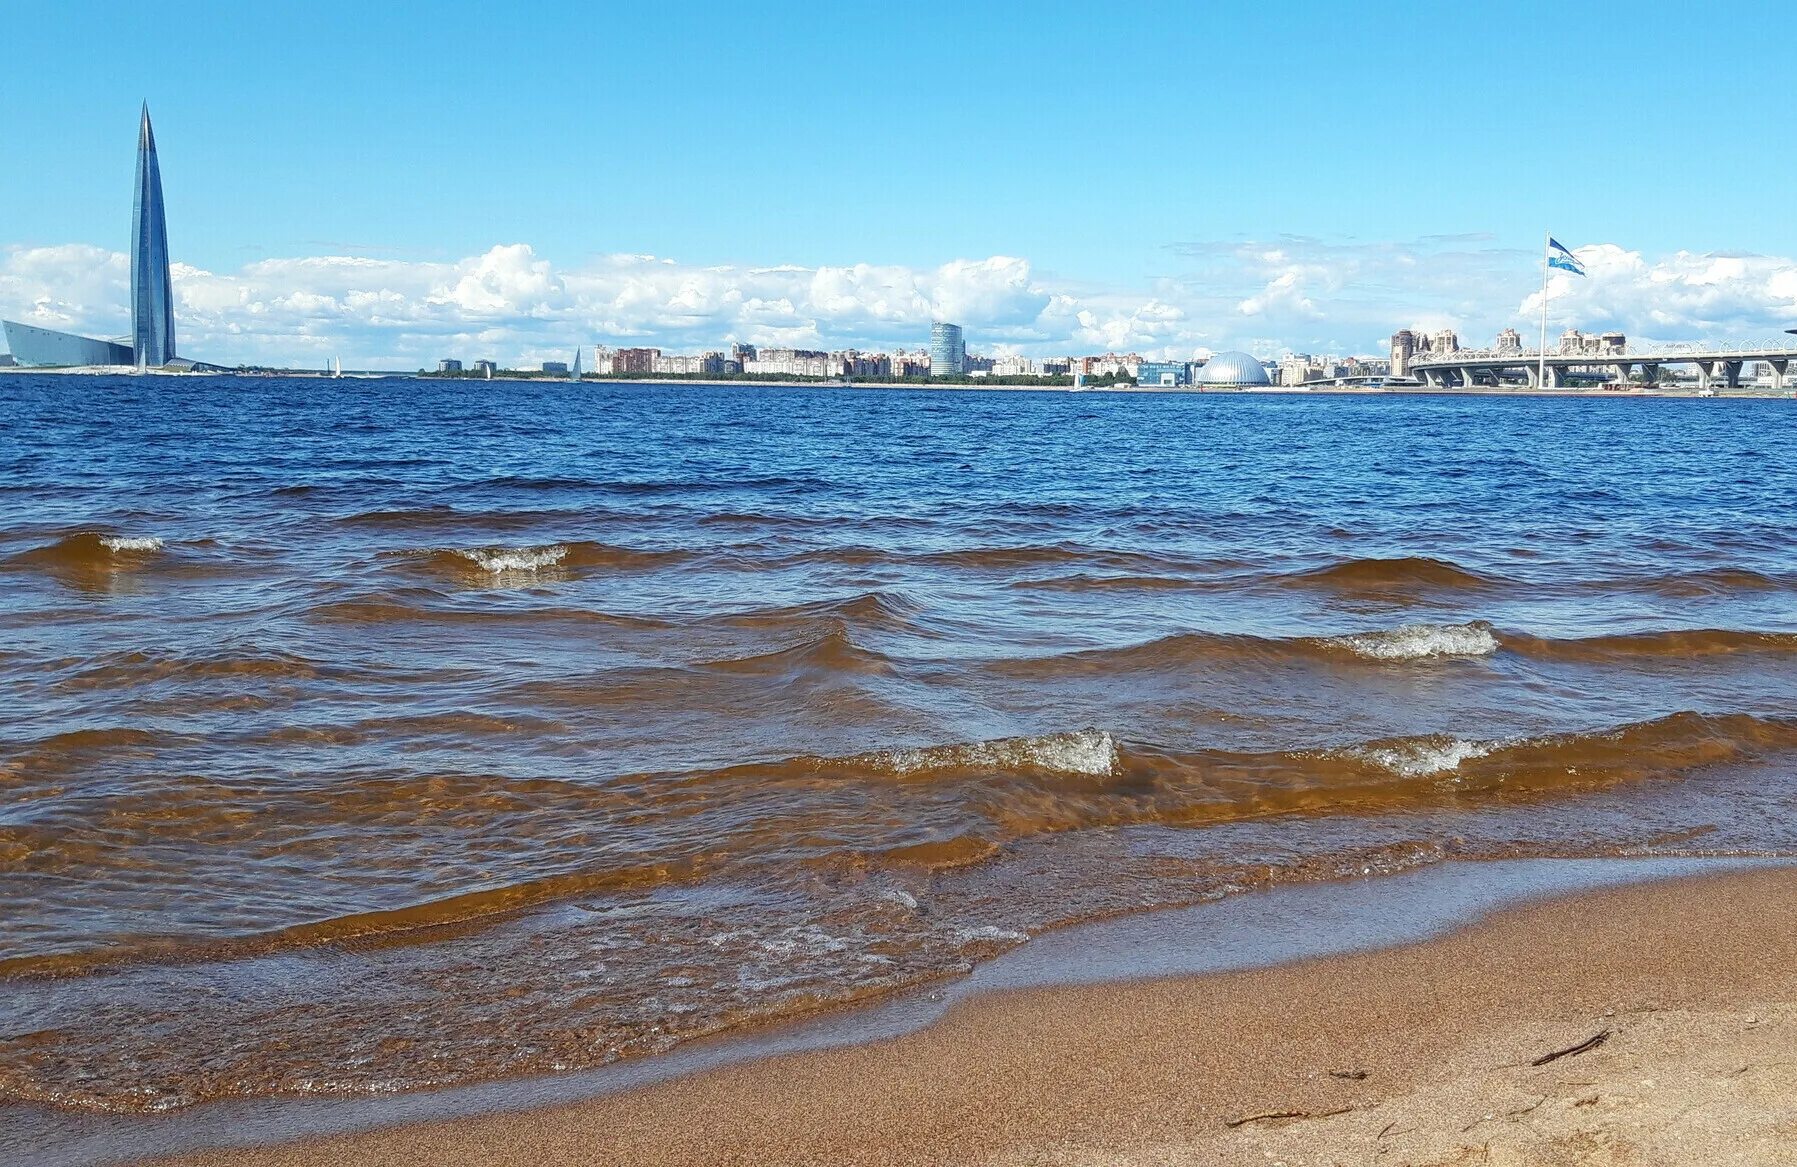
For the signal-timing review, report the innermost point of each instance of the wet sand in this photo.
(1416, 1055)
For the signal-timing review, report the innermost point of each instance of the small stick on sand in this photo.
(1273, 1114)
(1590, 1043)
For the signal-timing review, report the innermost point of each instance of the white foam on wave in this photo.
(1091, 752)
(1420, 642)
(1425, 756)
(117, 543)
(502, 559)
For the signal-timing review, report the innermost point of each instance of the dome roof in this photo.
(1231, 369)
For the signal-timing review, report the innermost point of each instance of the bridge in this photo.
(1466, 368)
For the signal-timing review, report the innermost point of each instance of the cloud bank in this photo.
(1270, 297)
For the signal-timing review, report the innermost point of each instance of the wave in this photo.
(1673, 644)
(1719, 581)
(833, 653)
(1404, 574)
(1417, 642)
(91, 551)
(449, 518)
(1192, 650)
(127, 669)
(1088, 752)
(947, 804)
(429, 607)
(886, 610)
(480, 563)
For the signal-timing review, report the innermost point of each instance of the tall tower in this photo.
(948, 352)
(152, 300)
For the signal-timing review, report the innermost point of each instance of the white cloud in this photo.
(1267, 296)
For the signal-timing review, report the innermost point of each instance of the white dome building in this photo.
(1238, 370)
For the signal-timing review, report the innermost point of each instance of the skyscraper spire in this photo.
(152, 298)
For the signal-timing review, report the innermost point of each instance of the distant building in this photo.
(449, 365)
(1295, 370)
(486, 368)
(555, 366)
(977, 364)
(1403, 351)
(634, 360)
(793, 362)
(1013, 367)
(1057, 366)
(678, 366)
(742, 352)
(1108, 365)
(1233, 370)
(152, 339)
(1162, 374)
(1579, 344)
(911, 364)
(948, 350)
(855, 363)
(1407, 345)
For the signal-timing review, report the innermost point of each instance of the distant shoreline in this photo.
(958, 386)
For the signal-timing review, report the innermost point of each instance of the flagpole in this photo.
(1541, 369)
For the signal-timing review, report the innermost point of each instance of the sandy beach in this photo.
(1653, 1024)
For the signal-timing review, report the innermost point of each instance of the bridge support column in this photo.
(1778, 368)
(1469, 377)
(1622, 373)
(1731, 374)
(1650, 374)
(1706, 372)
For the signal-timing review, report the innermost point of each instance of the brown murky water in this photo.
(366, 736)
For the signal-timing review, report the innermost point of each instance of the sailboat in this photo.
(574, 373)
(336, 366)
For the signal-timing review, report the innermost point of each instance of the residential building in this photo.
(449, 365)
(634, 360)
(911, 364)
(555, 366)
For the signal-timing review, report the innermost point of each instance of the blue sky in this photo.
(1118, 149)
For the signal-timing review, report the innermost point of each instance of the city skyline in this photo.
(355, 183)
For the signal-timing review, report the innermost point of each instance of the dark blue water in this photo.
(378, 734)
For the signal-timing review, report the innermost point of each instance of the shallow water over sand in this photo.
(374, 735)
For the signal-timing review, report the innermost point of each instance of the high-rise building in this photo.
(948, 351)
(1403, 351)
(152, 340)
(152, 298)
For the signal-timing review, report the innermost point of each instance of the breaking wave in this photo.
(1419, 642)
(90, 551)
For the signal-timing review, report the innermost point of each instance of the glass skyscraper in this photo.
(948, 353)
(152, 340)
(152, 301)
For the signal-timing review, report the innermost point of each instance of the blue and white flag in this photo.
(1558, 256)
